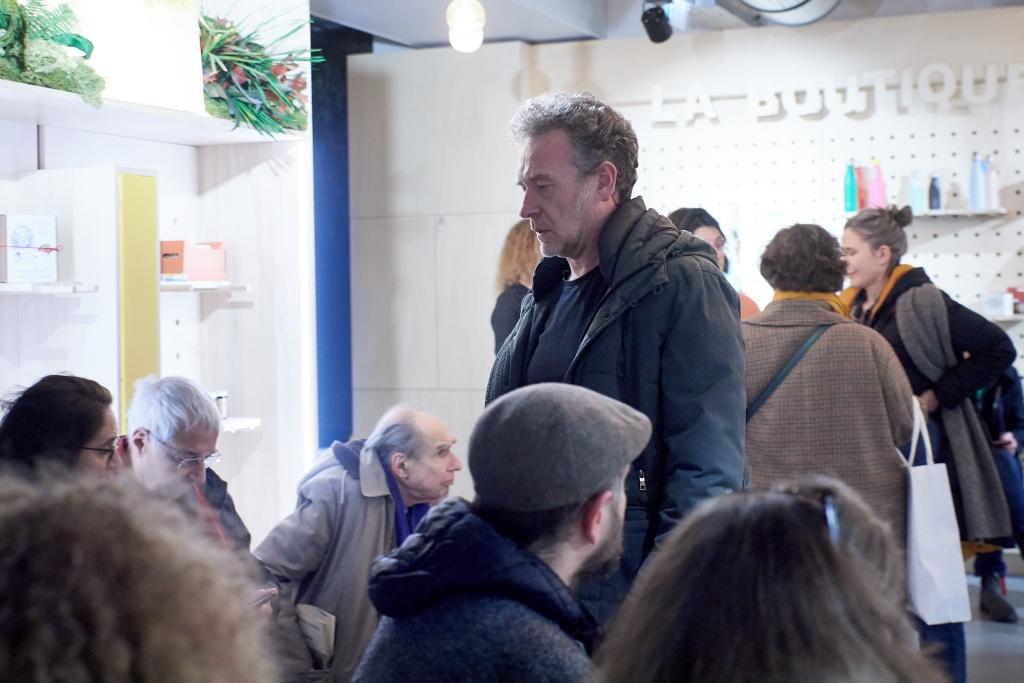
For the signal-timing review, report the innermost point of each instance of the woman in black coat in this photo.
(948, 353)
(519, 257)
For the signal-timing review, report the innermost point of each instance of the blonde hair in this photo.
(519, 257)
(104, 583)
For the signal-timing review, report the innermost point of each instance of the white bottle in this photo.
(991, 185)
(917, 194)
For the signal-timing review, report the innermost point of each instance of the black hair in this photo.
(691, 219)
(52, 420)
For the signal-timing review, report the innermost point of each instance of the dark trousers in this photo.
(950, 651)
(1008, 466)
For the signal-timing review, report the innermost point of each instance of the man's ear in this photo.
(593, 514)
(399, 468)
(139, 438)
(607, 175)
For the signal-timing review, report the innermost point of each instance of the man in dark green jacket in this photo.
(627, 305)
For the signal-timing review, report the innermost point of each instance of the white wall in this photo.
(429, 144)
(257, 198)
(433, 194)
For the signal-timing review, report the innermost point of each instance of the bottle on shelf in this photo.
(934, 194)
(991, 185)
(918, 193)
(850, 188)
(876, 190)
(861, 173)
(979, 197)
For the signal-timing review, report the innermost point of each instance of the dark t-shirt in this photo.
(565, 328)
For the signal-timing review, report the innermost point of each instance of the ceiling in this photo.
(421, 23)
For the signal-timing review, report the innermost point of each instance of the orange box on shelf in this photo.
(204, 261)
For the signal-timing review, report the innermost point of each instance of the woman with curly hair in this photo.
(104, 583)
(844, 409)
(519, 257)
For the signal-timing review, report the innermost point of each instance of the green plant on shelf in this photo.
(38, 46)
(259, 85)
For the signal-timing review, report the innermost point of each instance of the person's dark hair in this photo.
(757, 576)
(880, 227)
(538, 531)
(596, 132)
(803, 258)
(52, 420)
(691, 219)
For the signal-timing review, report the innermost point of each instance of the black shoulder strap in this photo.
(784, 372)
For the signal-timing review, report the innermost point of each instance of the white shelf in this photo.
(49, 107)
(963, 213)
(1007, 319)
(953, 213)
(47, 288)
(233, 425)
(201, 286)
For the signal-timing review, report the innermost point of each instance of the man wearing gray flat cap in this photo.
(484, 591)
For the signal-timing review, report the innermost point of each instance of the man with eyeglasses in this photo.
(173, 427)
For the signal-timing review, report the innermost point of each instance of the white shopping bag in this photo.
(935, 566)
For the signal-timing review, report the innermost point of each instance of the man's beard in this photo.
(606, 556)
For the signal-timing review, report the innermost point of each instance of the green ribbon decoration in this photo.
(76, 41)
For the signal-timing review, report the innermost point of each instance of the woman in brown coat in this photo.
(845, 408)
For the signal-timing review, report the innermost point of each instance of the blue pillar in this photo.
(331, 226)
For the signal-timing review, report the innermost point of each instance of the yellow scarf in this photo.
(850, 294)
(831, 299)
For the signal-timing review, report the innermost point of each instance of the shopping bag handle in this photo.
(919, 433)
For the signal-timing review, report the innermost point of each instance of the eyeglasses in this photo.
(828, 502)
(119, 444)
(185, 459)
(828, 506)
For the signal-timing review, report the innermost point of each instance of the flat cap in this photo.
(549, 445)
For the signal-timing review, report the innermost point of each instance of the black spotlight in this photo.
(656, 22)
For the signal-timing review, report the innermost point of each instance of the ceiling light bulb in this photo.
(466, 16)
(469, 41)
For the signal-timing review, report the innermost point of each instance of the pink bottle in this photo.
(876, 189)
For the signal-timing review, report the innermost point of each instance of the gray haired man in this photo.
(627, 305)
(484, 591)
(360, 500)
(173, 427)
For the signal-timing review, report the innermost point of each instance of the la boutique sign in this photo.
(935, 84)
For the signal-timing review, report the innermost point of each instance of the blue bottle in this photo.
(979, 194)
(934, 194)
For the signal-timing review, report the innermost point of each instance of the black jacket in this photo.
(460, 602)
(216, 493)
(1001, 406)
(991, 351)
(506, 313)
(665, 340)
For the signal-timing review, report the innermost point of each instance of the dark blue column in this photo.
(331, 226)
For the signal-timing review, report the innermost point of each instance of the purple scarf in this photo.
(405, 521)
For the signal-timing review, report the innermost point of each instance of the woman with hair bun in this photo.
(948, 352)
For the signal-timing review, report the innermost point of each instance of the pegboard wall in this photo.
(758, 176)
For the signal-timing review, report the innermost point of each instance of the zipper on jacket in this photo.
(643, 480)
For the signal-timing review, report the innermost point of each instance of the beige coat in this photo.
(321, 555)
(842, 412)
